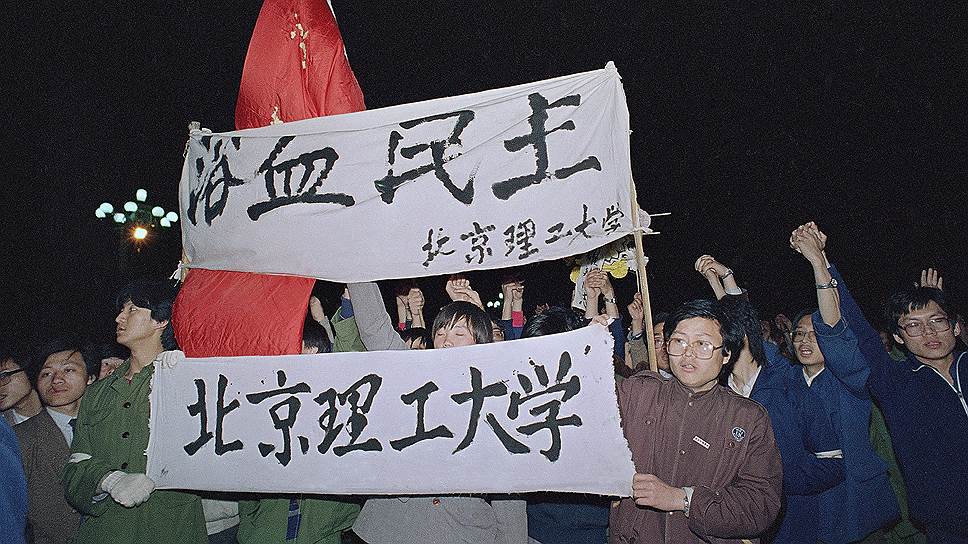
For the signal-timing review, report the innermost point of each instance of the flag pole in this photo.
(643, 280)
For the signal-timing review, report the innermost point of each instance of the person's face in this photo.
(497, 332)
(17, 387)
(135, 325)
(661, 356)
(805, 342)
(457, 333)
(417, 343)
(108, 365)
(694, 372)
(62, 379)
(930, 344)
(309, 350)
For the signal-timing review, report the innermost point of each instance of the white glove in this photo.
(127, 489)
(168, 359)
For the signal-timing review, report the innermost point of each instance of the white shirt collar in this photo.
(63, 422)
(746, 389)
(809, 378)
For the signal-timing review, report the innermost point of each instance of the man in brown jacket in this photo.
(45, 439)
(707, 466)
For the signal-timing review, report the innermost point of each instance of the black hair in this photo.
(58, 344)
(731, 332)
(413, 333)
(801, 314)
(743, 314)
(20, 357)
(553, 321)
(157, 296)
(477, 320)
(660, 317)
(907, 300)
(315, 336)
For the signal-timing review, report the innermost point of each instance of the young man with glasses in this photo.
(18, 398)
(864, 502)
(922, 397)
(706, 460)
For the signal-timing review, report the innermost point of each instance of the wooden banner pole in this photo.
(643, 280)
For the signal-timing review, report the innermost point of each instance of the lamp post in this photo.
(136, 221)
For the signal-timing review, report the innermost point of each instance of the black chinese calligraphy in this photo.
(212, 187)
(283, 416)
(420, 396)
(477, 395)
(538, 139)
(307, 191)
(552, 408)
(200, 408)
(355, 423)
(439, 157)
(479, 239)
(435, 245)
(519, 239)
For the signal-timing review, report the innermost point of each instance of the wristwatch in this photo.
(829, 285)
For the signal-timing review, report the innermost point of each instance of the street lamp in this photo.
(135, 221)
(141, 216)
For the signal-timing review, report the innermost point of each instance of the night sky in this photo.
(748, 119)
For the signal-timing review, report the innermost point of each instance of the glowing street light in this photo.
(139, 233)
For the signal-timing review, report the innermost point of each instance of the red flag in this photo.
(295, 69)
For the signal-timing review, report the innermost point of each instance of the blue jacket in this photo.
(865, 501)
(568, 519)
(927, 420)
(802, 429)
(13, 488)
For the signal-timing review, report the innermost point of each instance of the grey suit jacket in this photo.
(44, 452)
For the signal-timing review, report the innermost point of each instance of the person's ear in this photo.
(900, 340)
(91, 379)
(726, 357)
(160, 325)
(957, 328)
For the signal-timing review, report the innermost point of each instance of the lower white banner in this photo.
(528, 415)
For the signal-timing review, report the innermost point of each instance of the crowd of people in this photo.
(823, 428)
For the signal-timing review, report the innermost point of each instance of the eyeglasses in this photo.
(5, 376)
(935, 324)
(802, 336)
(659, 339)
(700, 348)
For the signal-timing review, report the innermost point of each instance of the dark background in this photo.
(748, 119)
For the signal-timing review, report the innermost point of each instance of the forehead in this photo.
(930, 309)
(806, 322)
(65, 357)
(699, 326)
(456, 323)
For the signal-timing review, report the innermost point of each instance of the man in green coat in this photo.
(105, 475)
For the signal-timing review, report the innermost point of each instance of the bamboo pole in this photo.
(643, 280)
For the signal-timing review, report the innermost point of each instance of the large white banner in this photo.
(486, 180)
(529, 415)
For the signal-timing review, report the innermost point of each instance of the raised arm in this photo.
(874, 360)
(372, 318)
